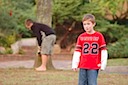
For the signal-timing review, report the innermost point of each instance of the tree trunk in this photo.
(44, 15)
(44, 11)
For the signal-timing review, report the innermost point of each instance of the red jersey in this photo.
(90, 46)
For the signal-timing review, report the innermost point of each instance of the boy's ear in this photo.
(94, 24)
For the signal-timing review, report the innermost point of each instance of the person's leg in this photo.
(92, 77)
(82, 77)
(44, 59)
(46, 50)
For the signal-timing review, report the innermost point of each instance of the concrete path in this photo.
(60, 64)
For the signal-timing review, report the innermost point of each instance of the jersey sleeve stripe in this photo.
(78, 48)
(103, 47)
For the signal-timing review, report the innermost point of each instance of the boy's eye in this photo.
(86, 24)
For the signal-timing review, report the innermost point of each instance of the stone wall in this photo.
(30, 42)
(16, 47)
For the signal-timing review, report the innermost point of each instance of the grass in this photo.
(30, 77)
(23, 76)
(118, 62)
(113, 79)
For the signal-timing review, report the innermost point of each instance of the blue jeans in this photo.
(88, 77)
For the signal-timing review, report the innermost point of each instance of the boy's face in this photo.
(88, 26)
(28, 26)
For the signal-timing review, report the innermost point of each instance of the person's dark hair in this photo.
(28, 21)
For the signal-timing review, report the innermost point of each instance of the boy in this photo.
(45, 43)
(90, 53)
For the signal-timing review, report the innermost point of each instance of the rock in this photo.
(16, 47)
(28, 42)
(56, 49)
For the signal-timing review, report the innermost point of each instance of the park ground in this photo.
(17, 69)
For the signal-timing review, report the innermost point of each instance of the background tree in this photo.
(44, 15)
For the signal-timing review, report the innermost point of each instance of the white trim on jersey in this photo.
(104, 57)
(76, 59)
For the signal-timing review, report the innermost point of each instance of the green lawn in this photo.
(118, 62)
(24, 76)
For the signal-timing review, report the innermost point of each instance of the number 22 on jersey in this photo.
(90, 48)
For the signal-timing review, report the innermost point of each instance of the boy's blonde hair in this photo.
(89, 17)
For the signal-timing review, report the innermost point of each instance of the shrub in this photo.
(8, 51)
(118, 49)
(13, 14)
(7, 40)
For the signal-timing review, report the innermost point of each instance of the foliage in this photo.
(67, 12)
(118, 49)
(74, 10)
(112, 32)
(15, 14)
(12, 16)
(8, 51)
(104, 5)
(7, 40)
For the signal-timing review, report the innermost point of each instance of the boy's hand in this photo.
(75, 69)
(38, 49)
(102, 68)
(39, 54)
